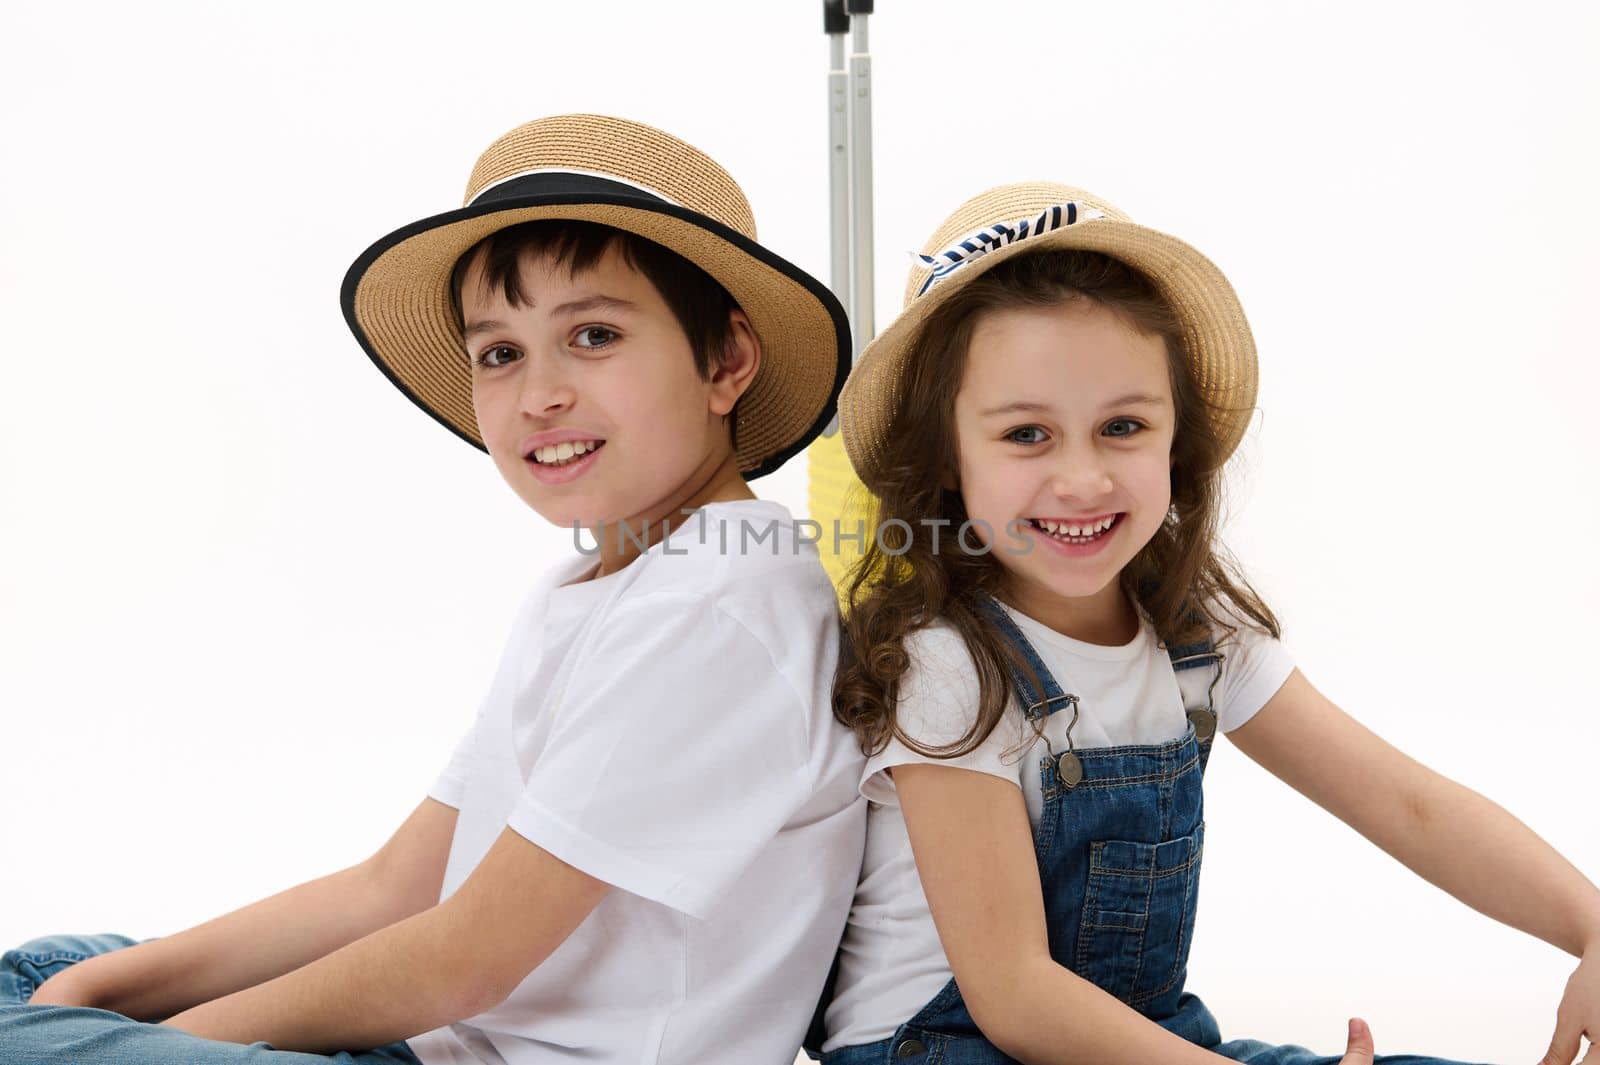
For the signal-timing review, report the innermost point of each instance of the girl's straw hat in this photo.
(396, 296)
(1039, 216)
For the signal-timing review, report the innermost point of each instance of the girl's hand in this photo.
(1358, 1045)
(1578, 1014)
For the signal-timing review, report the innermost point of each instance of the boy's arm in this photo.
(410, 867)
(602, 808)
(1444, 832)
(436, 967)
(158, 978)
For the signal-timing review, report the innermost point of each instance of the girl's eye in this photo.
(1028, 434)
(594, 336)
(1131, 427)
(486, 357)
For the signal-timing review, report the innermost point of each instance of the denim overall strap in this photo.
(1203, 719)
(1193, 656)
(1034, 703)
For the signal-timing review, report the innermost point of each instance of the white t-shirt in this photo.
(668, 729)
(892, 962)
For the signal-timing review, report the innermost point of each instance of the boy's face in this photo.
(587, 397)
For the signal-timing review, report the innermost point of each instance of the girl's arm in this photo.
(974, 853)
(1447, 834)
(154, 980)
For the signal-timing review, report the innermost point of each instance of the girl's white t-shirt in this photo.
(668, 729)
(891, 962)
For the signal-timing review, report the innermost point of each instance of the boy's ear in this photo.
(740, 361)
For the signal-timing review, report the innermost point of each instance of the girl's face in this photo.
(1064, 423)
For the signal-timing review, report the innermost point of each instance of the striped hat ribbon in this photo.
(981, 241)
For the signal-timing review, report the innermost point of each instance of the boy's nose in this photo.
(547, 401)
(545, 390)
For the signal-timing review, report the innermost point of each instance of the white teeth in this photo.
(1077, 531)
(563, 452)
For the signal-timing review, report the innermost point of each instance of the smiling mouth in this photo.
(1076, 533)
(558, 455)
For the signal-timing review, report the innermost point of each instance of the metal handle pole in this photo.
(836, 24)
(861, 296)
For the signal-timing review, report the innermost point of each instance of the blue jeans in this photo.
(73, 1035)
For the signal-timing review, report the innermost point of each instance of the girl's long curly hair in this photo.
(1179, 578)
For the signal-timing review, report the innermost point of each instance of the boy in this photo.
(644, 848)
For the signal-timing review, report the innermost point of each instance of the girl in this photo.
(1045, 638)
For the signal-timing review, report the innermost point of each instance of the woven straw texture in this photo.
(402, 300)
(1216, 335)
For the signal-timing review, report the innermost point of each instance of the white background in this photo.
(251, 595)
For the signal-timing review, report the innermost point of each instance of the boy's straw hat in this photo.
(396, 296)
(1018, 219)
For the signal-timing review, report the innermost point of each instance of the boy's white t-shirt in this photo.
(669, 729)
(891, 962)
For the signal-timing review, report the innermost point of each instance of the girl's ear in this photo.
(950, 481)
(740, 361)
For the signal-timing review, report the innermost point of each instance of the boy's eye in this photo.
(1129, 427)
(486, 357)
(594, 336)
(1027, 434)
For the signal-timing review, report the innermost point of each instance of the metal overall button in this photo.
(909, 1048)
(1069, 769)
(1205, 724)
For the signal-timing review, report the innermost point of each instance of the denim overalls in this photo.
(1118, 843)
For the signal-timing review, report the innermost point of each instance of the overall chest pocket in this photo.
(1138, 915)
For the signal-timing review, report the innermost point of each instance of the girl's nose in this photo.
(1081, 474)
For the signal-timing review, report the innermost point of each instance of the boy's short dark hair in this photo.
(700, 304)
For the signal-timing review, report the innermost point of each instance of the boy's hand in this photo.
(1578, 1014)
(1358, 1044)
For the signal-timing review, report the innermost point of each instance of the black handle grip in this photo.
(858, 7)
(834, 20)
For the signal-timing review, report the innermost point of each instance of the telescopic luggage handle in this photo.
(850, 167)
(837, 501)
(860, 110)
(836, 24)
